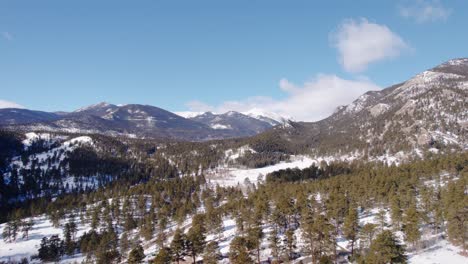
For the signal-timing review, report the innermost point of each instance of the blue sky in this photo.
(215, 55)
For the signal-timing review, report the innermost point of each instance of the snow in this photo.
(59, 152)
(235, 154)
(188, 114)
(99, 105)
(442, 252)
(263, 115)
(357, 105)
(220, 126)
(32, 137)
(457, 62)
(82, 140)
(233, 176)
(379, 109)
(422, 83)
(23, 247)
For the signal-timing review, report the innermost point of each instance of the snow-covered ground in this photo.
(25, 248)
(440, 253)
(227, 176)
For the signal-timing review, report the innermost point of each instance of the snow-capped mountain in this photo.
(427, 113)
(139, 121)
(272, 118)
(236, 122)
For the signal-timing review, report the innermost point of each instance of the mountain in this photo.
(136, 120)
(426, 113)
(131, 120)
(272, 118)
(14, 116)
(234, 122)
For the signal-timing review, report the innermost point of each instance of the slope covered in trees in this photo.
(319, 220)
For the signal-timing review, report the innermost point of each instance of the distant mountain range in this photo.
(427, 112)
(136, 120)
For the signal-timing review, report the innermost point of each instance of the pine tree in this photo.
(136, 255)
(10, 231)
(147, 230)
(254, 238)
(456, 211)
(95, 218)
(178, 246)
(411, 225)
(69, 232)
(163, 256)
(124, 243)
(382, 219)
(366, 235)
(290, 242)
(238, 253)
(212, 253)
(51, 249)
(26, 226)
(274, 244)
(386, 249)
(351, 227)
(396, 213)
(196, 237)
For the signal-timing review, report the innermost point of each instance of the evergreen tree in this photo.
(254, 238)
(51, 249)
(10, 231)
(382, 219)
(195, 240)
(124, 243)
(396, 212)
(411, 225)
(456, 211)
(178, 246)
(386, 249)
(163, 256)
(274, 244)
(212, 253)
(290, 242)
(366, 235)
(26, 226)
(238, 253)
(136, 255)
(147, 229)
(351, 227)
(69, 233)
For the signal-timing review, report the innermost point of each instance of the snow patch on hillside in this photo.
(269, 117)
(25, 248)
(220, 126)
(440, 253)
(232, 176)
(232, 155)
(188, 114)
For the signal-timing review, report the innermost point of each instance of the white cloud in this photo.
(312, 101)
(425, 11)
(7, 35)
(360, 42)
(8, 104)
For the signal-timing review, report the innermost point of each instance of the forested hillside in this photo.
(350, 212)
